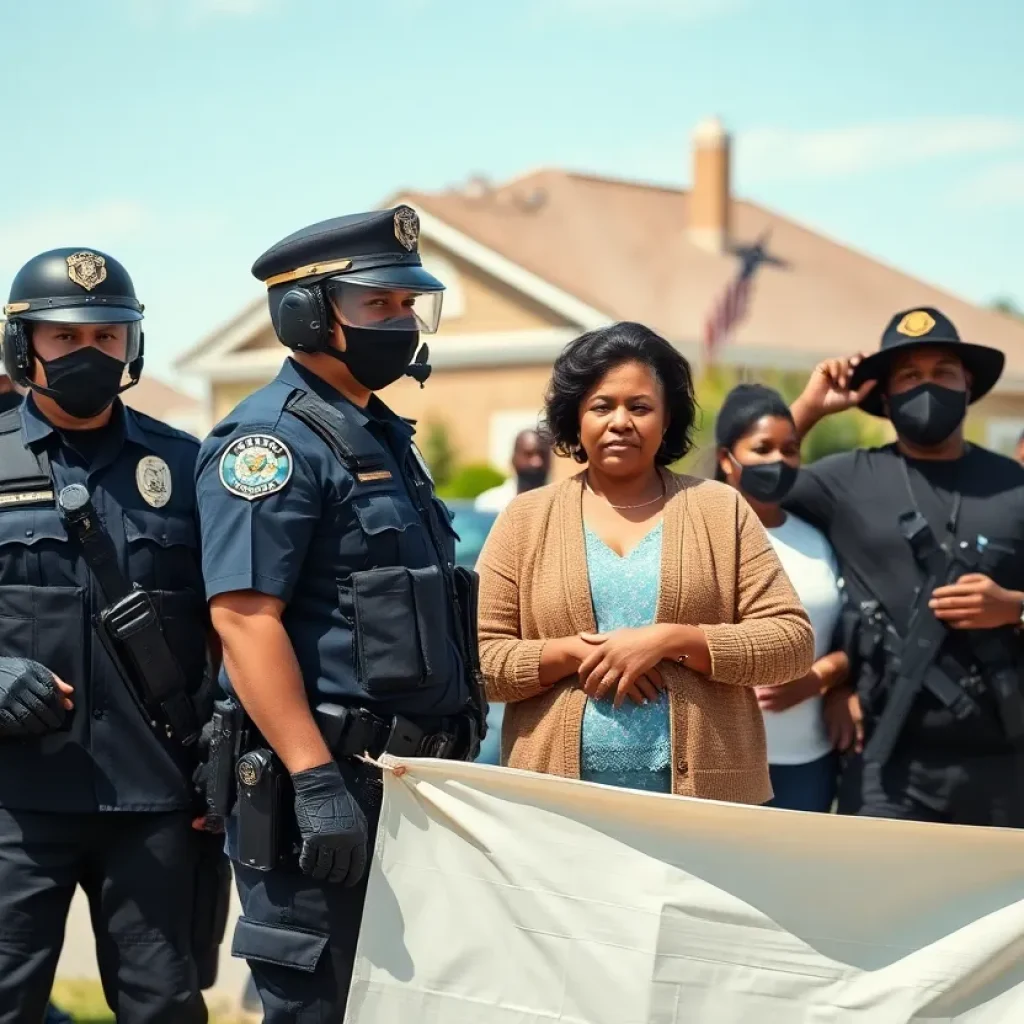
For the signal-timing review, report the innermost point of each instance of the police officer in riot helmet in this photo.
(99, 579)
(345, 626)
(9, 397)
(929, 533)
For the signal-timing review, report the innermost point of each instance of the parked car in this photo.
(472, 526)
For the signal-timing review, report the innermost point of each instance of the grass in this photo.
(84, 1001)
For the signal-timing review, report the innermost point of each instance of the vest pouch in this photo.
(185, 623)
(400, 630)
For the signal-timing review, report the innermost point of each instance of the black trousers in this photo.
(138, 872)
(962, 791)
(299, 936)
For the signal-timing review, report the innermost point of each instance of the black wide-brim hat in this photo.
(925, 327)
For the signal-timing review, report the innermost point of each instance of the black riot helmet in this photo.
(70, 286)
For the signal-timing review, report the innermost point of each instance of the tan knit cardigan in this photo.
(718, 571)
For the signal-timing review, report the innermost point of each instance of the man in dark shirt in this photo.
(958, 759)
(329, 565)
(95, 789)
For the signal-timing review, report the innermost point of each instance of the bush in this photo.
(438, 453)
(839, 433)
(470, 480)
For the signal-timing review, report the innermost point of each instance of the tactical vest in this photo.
(391, 653)
(48, 623)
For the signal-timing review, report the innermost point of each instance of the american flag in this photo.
(731, 306)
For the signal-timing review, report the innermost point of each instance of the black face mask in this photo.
(82, 383)
(377, 358)
(531, 478)
(768, 482)
(928, 414)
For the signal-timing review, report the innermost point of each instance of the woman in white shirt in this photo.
(759, 454)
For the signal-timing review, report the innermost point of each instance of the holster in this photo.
(265, 797)
(467, 593)
(211, 902)
(227, 744)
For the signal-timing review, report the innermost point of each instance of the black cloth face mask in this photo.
(768, 482)
(377, 358)
(82, 383)
(928, 414)
(531, 478)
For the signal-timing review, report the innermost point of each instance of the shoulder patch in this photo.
(256, 466)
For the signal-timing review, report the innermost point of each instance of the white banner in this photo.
(501, 897)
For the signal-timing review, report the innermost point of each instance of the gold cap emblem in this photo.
(915, 324)
(407, 227)
(87, 270)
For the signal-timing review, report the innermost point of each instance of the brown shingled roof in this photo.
(159, 400)
(622, 247)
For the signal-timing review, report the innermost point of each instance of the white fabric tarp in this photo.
(502, 897)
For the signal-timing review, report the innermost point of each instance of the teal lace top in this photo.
(628, 746)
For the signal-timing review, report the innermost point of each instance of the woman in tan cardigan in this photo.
(678, 574)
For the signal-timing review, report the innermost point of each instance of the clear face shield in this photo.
(377, 308)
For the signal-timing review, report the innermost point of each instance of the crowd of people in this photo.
(198, 641)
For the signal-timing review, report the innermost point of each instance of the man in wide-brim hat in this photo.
(929, 535)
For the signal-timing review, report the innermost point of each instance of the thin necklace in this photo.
(624, 508)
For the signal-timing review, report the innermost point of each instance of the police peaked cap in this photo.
(924, 327)
(379, 249)
(74, 286)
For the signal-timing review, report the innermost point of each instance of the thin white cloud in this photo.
(998, 185)
(197, 11)
(773, 153)
(236, 8)
(103, 225)
(628, 10)
(110, 226)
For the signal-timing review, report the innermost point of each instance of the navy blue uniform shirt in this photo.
(280, 515)
(140, 474)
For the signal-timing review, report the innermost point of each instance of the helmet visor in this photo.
(132, 331)
(383, 309)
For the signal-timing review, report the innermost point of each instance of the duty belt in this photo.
(349, 732)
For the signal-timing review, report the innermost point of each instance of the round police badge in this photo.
(153, 479)
(255, 466)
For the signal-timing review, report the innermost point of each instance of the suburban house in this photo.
(533, 262)
(159, 400)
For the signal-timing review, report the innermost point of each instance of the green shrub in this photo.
(438, 452)
(470, 480)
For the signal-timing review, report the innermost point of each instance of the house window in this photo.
(1002, 435)
(454, 304)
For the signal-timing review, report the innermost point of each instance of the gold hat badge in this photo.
(407, 227)
(87, 270)
(915, 324)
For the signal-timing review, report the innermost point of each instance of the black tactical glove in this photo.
(332, 826)
(30, 703)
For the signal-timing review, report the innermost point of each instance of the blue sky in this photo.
(185, 136)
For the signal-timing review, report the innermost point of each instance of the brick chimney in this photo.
(710, 196)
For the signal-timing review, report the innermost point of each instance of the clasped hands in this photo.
(621, 664)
